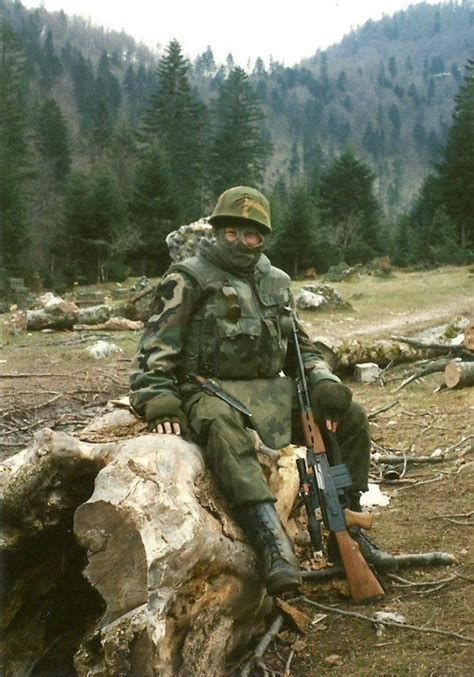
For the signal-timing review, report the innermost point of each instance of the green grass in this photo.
(378, 300)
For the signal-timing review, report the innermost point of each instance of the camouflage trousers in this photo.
(229, 448)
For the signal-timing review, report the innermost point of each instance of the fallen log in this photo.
(437, 347)
(172, 586)
(343, 355)
(389, 563)
(459, 374)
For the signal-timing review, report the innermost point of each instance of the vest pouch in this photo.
(238, 348)
(273, 349)
(269, 400)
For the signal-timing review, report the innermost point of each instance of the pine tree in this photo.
(53, 138)
(50, 64)
(13, 152)
(177, 121)
(82, 74)
(239, 149)
(107, 87)
(154, 209)
(97, 235)
(349, 208)
(294, 248)
(456, 171)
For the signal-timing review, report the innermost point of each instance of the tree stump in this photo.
(172, 587)
(468, 342)
(459, 374)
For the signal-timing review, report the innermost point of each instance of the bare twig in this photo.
(421, 584)
(34, 424)
(419, 484)
(374, 414)
(392, 624)
(431, 368)
(45, 404)
(33, 375)
(458, 514)
(288, 664)
(398, 460)
(262, 646)
(458, 444)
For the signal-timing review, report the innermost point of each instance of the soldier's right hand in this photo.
(168, 428)
(165, 416)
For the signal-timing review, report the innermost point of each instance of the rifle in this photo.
(323, 486)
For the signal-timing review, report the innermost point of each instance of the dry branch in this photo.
(387, 407)
(390, 624)
(431, 368)
(262, 646)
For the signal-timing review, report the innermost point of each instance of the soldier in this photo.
(224, 314)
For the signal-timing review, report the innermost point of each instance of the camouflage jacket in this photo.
(213, 322)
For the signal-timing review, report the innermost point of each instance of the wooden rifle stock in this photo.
(363, 583)
(363, 520)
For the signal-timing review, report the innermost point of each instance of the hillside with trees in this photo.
(105, 146)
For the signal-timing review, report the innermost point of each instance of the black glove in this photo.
(164, 408)
(331, 400)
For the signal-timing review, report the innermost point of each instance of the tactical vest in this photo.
(240, 329)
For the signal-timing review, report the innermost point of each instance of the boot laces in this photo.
(271, 541)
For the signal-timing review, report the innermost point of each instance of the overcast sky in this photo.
(289, 31)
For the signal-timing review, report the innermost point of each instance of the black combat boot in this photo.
(380, 560)
(269, 538)
(353, 501)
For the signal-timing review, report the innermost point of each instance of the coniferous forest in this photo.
(365, 150)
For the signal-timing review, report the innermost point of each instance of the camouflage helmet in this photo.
(242, 204)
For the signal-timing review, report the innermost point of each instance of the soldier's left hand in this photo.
(331, 400)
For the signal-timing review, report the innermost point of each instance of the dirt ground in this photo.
(48, 380)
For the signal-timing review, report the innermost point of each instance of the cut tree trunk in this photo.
(459, 374)
(172, 586)
(469, 336)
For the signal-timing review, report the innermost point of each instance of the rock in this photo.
(102, 349)
(367, 372)
(307, 300)
(389, 616)
(333, 659)
(320, 297)
(184, 241)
